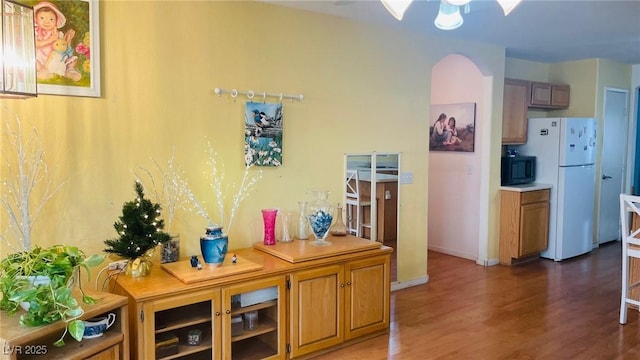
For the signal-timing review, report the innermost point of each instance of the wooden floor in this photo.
(541, 310)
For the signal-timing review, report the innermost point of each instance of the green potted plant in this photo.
(41, 281)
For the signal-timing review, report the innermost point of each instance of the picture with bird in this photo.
(263, 134)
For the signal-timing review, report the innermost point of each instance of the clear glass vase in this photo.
(320, 216)
(338, 228)
(303, 223)
(286, 234)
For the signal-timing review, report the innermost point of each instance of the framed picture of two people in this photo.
(452, 127)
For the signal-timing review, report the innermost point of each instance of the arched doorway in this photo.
(456, 178)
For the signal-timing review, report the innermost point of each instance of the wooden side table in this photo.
(22, 342)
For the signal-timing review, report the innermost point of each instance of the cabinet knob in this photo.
(217, 313)
(341, 285)
(349, 283)
(227, 311)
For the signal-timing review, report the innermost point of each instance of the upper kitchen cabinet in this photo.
(519, 97)
(514, 111)
(549, 96)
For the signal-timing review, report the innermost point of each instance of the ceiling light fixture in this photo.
(508, 5)
(17, 51)
(396, 7)
(449, 17)
(458, 2)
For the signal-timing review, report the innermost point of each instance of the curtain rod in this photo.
(252, 94)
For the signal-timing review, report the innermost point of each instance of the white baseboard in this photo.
(405, 284)
(453, 253)
(489, 262)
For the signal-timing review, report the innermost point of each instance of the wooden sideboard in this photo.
(347, 284)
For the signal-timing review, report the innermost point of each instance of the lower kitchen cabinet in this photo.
(336, 303)
(524, 224)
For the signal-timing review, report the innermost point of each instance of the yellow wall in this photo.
(526, 70)
(366, 88)
(582, 76)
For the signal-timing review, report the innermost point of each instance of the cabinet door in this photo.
(534, 228)
(164, 320)
(560, 96)
(258, 308)
(316, 309)
(540, 94)
(514, 111)
(366, 296)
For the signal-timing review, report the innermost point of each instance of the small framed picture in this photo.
(171, 250)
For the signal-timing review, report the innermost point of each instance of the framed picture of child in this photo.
(452, 127)
(67, 47)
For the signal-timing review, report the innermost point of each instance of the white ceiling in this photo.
(546, 31)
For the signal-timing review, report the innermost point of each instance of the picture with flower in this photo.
(67, 47)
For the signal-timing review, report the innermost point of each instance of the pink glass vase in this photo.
(269, 219)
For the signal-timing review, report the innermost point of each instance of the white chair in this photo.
(629, 205)
(355, 203)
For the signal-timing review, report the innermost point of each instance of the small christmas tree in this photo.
(140, 228)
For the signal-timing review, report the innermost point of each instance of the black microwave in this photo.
(518, 170)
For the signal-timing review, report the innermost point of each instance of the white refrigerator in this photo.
(565, 157)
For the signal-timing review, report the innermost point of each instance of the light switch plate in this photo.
(406, 178)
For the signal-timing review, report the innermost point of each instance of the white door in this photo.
(614, 152)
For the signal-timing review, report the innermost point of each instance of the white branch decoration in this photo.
(218, 178)
(169, 193)
(247, 185)
(26, 172)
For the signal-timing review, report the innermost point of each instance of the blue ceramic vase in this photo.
(214, 245)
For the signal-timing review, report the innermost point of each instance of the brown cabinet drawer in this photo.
(529, 197)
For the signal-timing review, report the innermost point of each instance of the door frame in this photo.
(374, 208)
(625, 158)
